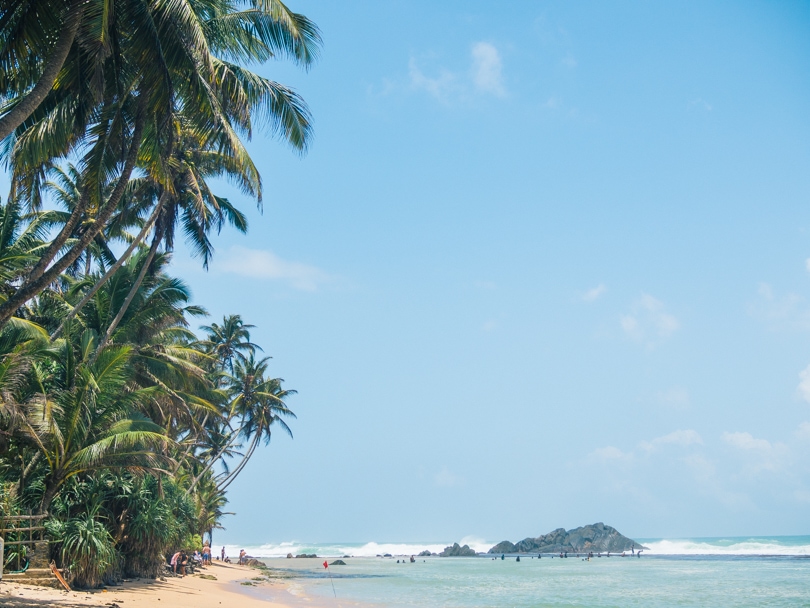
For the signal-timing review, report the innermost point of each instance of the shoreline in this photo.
(192, 591)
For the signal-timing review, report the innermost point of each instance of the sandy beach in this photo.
(192, 591)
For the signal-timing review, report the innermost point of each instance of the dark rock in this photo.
(596, 537)
(306, 555)
(289, 556)
(338, 562)
(424, 553)
(456, 551)
(388, 555)
(503, 547)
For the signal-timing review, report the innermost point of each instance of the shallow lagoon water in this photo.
(482, 582)
(652, 581)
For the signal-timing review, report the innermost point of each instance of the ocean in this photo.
(751, 571)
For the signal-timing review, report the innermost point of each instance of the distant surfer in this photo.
(412, 559)
(633, 549)
(518, 558)
(503, 556)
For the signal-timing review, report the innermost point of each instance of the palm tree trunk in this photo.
(27, 471)
(118, 263)
(214, 460)
(51, 488)
(131, 295)
(227, 481)
(34, 286)
(189, 448)
(26, 106)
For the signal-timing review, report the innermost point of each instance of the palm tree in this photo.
(162, 61)
(229, 342)
(259, 403)
(86, 421)
(36, 39)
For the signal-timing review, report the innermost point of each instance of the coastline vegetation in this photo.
(119, 423)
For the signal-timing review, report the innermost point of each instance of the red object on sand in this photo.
(325, 564)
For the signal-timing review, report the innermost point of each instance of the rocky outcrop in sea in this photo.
(457, 551)
(596, 537)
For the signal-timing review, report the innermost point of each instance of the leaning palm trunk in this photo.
(232, 475)
(119, 262)
(214, 460)
(131, 295)
(39, 280)
(26, 106)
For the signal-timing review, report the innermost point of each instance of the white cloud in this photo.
(487, 69)
(759, 454)
(485, 76)
(446, 479)
(676, 398)
(610, 453)
(264, 264)
(440, 87)
(648, 322)
(804, 384)
(788, 311)
(680, 438)
(595, 293)
(746, 441)
(490, 325)
(699, 104)
(803, 431)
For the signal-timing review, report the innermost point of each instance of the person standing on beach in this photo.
(175, 559)
(223, 554)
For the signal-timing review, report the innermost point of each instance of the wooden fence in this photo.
(20, 530)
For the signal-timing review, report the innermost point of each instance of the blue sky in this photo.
(545, 264)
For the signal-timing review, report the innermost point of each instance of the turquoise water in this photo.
(479, 582)
(714, 572)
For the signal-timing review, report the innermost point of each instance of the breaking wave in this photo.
(370, 549)
(779, 545)
(790, 545)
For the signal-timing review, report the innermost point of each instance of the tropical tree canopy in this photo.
(121, 422)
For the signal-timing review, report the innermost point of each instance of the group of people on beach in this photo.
(181, 560)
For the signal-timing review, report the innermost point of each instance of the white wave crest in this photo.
(726, 547)
(370, 549)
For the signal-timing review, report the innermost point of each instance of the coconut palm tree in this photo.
(85, 420)
(260, 405)
(149, 63)
(229, 342)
